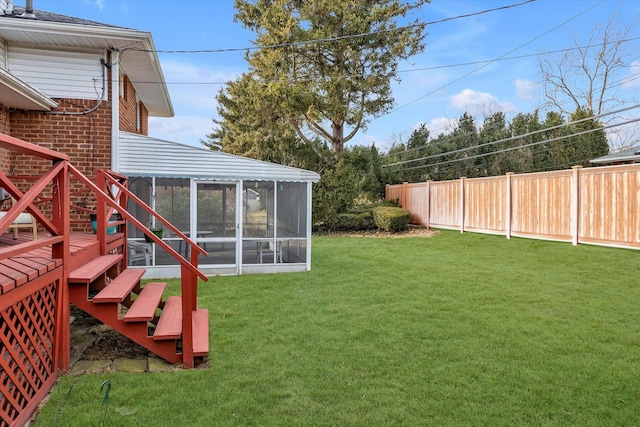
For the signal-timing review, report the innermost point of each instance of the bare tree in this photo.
(593, 76)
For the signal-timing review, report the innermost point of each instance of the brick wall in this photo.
(128, 111)
(6, 129)
(84, 136)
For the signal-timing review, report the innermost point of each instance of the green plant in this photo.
(391, 219)
(457, 329)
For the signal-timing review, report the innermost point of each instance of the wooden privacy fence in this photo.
(598, 206)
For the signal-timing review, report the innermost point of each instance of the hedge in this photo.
(391, 219)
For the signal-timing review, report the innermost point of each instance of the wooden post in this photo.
(101, 212)
(508, 206)
(462, 178)
(60, 207)
(428, 210)
(575, 205)
(187, 314)
(403, 197)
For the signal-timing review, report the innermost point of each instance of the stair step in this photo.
(93, 269)
(145, 305)
(201, 332)
(120, 287)
(170, 323)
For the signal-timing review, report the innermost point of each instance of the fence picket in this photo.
(597, 205)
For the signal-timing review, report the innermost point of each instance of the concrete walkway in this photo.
(148, 364)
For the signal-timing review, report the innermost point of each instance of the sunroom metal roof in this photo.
(146, 156)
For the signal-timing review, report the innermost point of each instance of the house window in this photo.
(138, 113)
(123, 86)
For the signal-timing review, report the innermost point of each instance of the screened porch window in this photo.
(272, 217)
(274, 222)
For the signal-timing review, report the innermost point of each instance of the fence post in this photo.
(403, 195)
(575, 204)
(428, 210)
(508, 206)
(462, 178)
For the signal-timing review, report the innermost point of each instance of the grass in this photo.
(450, 330)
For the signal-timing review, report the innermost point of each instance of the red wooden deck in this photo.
(19, 270)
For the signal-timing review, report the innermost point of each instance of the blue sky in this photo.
(430, 96)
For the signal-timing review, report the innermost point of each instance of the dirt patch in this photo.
(91, 340)
(411, 231)
(111, 345)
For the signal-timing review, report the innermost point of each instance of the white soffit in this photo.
(145, 156)
(14, 93)
(138, 53)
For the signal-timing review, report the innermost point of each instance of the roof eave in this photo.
(140, 59)
(617, 159)
(15, 93)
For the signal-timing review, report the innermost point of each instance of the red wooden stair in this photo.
(115, 296)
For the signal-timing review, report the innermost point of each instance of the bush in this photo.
(353, 222)
(391, 219)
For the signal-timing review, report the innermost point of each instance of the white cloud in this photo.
(524, 88)
(185, 129)
(98, 3)
(193, 90)
(192, 87)
(441, 125)
(477, 102)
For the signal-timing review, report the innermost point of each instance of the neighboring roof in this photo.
(145, 156)
(17, 94)
(628, 155)
(138, 58)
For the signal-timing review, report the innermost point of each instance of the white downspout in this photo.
(115, 111)
(309, 228)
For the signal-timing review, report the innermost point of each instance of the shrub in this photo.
(353, 222)
(391, 219)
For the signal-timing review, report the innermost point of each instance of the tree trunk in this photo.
(337, 140)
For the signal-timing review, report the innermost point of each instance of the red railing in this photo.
(35, 340)
(109, 202)
(35, 336)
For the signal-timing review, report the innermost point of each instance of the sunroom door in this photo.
(216, 224)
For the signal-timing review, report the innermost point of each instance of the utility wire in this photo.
(331, 39)
(515, 137)
(614, 84)
(509, 58)
(500, 57)
(309, 77)
(521, 146)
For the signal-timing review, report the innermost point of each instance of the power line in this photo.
(522, 146)
(500, 57)
(338, 38)
(509, 58)
(410, 70)
(617, 83)
(515, 137)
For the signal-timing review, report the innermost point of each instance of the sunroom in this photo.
(250, 216)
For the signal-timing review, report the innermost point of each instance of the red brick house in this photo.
(59, 77)
(70, 85)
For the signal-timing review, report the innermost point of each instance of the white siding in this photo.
(4, 7)
(144, 156)
(3, 54)
(59, 74)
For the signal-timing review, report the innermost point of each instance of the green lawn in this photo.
(449, 330)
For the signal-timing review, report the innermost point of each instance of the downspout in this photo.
(115, 110)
